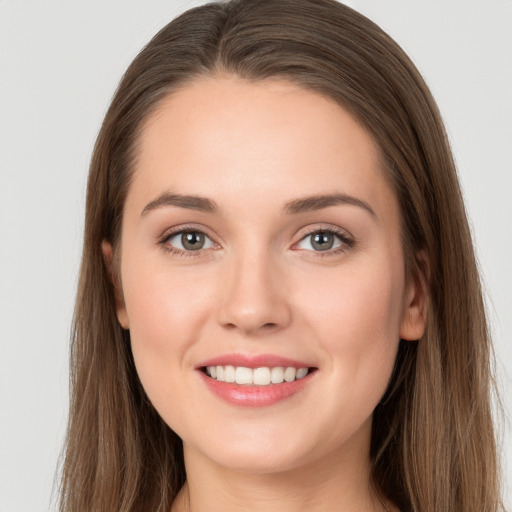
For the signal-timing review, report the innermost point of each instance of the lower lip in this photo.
(255, 396)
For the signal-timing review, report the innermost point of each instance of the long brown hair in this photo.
(433, 442)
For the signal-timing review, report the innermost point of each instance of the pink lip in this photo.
(253, 361)
(254, 396)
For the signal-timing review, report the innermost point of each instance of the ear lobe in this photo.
(108, 257)
(414, 316)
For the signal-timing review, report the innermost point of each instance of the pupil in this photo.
(323, 241)
(192, 240)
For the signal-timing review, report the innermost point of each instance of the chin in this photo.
(256, 461)
(249, 451)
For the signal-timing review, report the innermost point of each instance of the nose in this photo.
(253, 295)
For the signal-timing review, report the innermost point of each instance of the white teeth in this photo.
(277, 375)
(289, 374)
(229, 374)
(243, 375)
(301, 372)
(263, 376)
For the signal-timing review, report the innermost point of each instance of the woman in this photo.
(279, 305)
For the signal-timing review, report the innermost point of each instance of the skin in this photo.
(260, 286)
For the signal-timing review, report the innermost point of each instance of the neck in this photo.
(336, 484)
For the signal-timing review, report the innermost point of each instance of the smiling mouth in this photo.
(263, 376)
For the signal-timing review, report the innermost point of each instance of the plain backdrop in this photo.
(60, 62)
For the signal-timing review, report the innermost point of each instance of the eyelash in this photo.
(163, 242)
(347, 242)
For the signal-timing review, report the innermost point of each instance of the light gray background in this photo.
(59, 64)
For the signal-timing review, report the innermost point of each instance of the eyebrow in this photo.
(312, 203)
(201, 204)
(302, 205)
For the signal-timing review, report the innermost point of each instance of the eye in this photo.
(189, 240)
(324, 240)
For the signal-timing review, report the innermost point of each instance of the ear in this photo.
(108, 257)
(414, 316)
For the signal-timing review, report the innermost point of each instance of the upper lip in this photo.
(253, 361)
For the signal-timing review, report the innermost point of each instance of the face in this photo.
(261, 243)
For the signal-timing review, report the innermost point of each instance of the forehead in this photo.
(237, 139)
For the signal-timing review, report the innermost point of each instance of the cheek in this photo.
(166, 312)
(364, 313)
(356, 317)
(162, 300)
